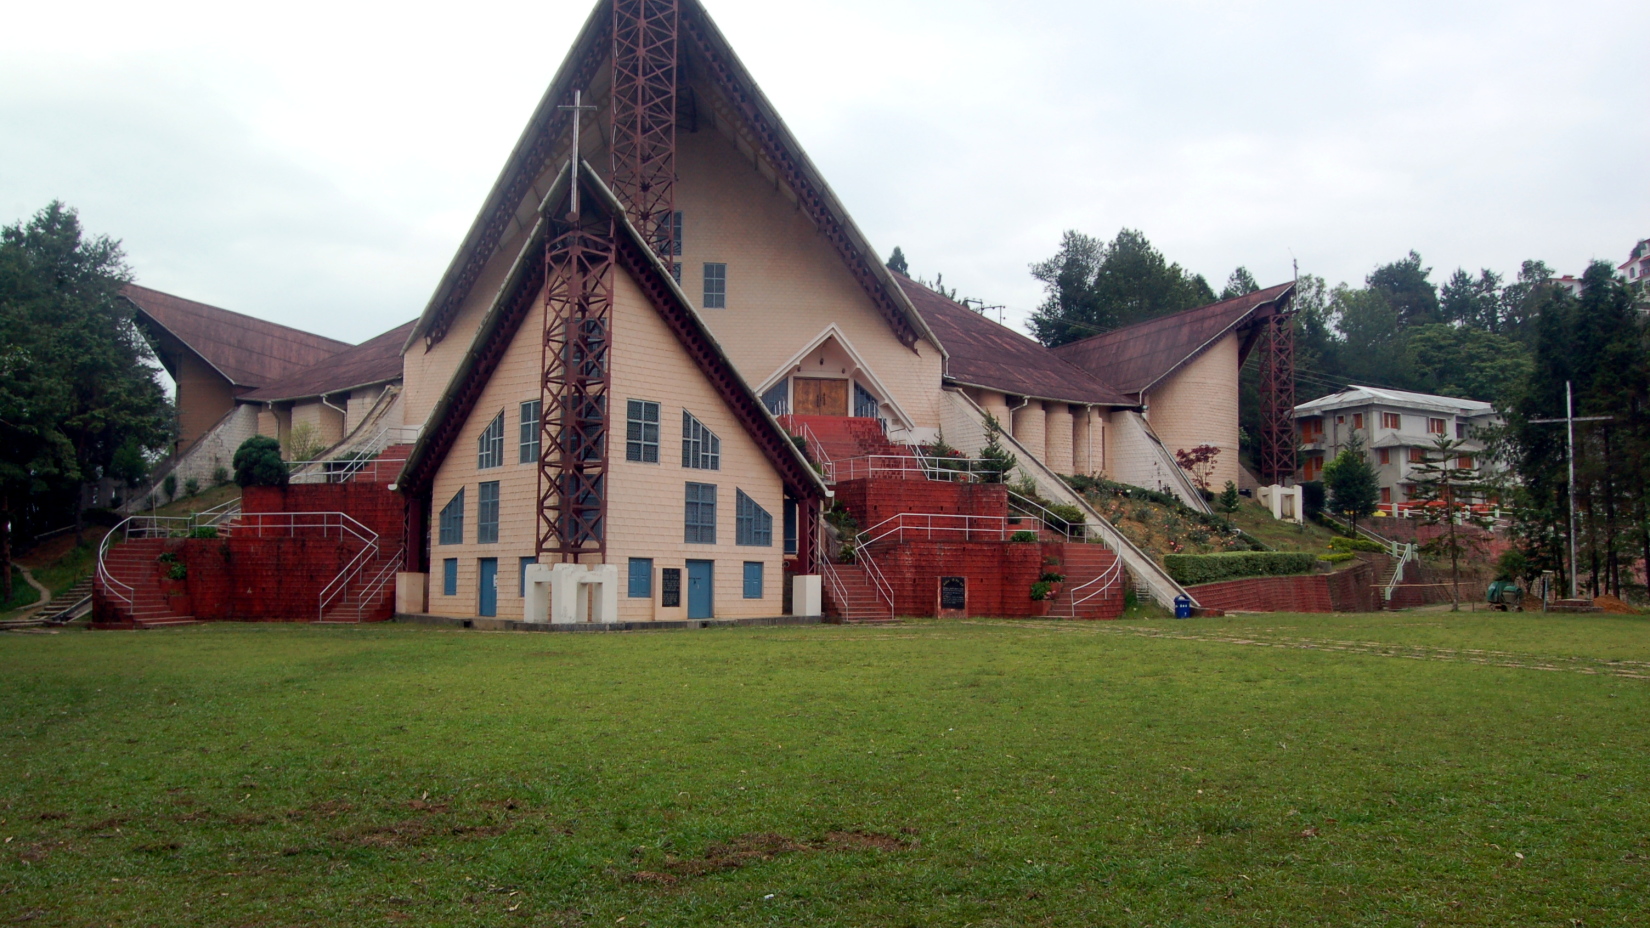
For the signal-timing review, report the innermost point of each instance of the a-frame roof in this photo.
(520, 294)
(375, 361)
(247, 351)
(1137, 357)
(512, 203)
(981, 353)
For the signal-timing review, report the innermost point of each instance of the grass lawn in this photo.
(1400, 769)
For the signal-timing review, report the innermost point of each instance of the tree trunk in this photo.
(5, 547)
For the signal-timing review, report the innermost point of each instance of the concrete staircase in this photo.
(843, 438)
(1082, 563)
(67, 605)
(370, 594)
(860, 604)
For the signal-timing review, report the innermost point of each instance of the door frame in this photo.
(710, 587)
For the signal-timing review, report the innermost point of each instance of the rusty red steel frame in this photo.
(1277, 397)
(643, 111)
(573, 396)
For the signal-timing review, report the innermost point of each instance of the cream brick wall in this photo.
(646, 501)
(785, 282)
(1029, 426)
(1198, 405)
(1057, 437)
(327, 422)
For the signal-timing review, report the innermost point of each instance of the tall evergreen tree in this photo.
(1241, 283)
(1095, 287)
(896, 262)
(1407, 290)
(1448, 492)
(77, 380)
(1354, 487)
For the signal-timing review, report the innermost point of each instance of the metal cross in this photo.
(1570, 419)
(573, 159)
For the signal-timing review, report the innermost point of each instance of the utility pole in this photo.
(1570, 421)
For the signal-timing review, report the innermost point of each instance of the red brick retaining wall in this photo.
(1350, 590)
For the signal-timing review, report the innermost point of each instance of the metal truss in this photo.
(1277, 397)
(644, 116)
(574, 407)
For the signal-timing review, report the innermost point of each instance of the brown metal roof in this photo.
(376, 360)
(249, 352)
(985, 354)
(1136, 357)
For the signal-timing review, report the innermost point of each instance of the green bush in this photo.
(220, 475)
(258, 463)
(1023, 536)
(1342, 543)
(1040, 590)
(1211, 568)
(1337, 558)
(204, 531)
(170, 485)
(1066, 513)
(191, 487)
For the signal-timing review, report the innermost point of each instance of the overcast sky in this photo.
(318, 163)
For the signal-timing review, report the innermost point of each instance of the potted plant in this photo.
(174, 576)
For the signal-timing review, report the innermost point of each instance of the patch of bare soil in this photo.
(1614, 605)
(764, 846)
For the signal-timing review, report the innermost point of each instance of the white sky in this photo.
(318, 163)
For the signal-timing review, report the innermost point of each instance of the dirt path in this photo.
(1637, 670)
(45, 594)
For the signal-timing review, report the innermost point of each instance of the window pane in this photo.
(490, 445)
(716, 286)
(530, 432)
(701, 449)
(452, 521)
(487, 513)
(700, 514)
(641, 431)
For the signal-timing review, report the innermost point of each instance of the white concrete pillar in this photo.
(1057, 436)
(806, 595)
(1028, 427)
(535, 602)
(604, 599)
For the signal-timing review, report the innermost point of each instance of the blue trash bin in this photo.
(1182, 607)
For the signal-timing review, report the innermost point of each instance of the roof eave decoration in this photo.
(521, 290)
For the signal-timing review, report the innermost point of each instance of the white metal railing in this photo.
(361, 461)
(1404, 554)
(145, 527)
(884, 590)
(339, 584)
(338, 525)
(816, 448)
(1079, 595)
(1054, 523)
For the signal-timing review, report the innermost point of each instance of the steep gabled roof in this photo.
(376, 360)
(1136, 357)
(513, 199)
(248, 352)
(995, 357)
(520, 294)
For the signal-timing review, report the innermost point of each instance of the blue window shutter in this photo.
(641, 578)
(449, 577)
(753, 579)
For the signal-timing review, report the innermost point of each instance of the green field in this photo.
(1400, 769)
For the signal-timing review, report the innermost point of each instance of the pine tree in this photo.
(996, 462)
(1229, 500)
(1447, 493)
(896, 262)
(1354, 487)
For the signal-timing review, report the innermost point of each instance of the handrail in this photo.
(377, 583)
(1050, 520)
(1405, 554)
(260, 524)
(885, 591)
(816, 448)
(342, 580)
(1100, 584)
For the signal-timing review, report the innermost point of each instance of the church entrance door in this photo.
(701, 600)
(817, 396)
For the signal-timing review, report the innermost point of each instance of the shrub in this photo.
(1066, 513)
(220, 475)
(178, 571)
(258, 463)
(1023, 536)
(1342, 543)
(1040, 590)
(1229, 498)
(191, 487)
(304, 443)
(1232, 565)
(170, 486)
(204, 531)
(1337, 558)
(1050, 576)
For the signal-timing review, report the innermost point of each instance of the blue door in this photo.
(489, 586)
(701, 604)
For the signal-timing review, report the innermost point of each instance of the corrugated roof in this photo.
(250, 352)
(374, 361)
(985, 354)
(1364, 396)
(1136, 357)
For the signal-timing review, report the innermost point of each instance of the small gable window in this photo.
(452, 520)
(530, 432)
(641, 431)
(487, 513)
(700, 516)
(716, 286)
(490, 446)
(753, 525)
(701, 449)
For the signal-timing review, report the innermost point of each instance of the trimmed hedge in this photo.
(1343, 543)
(1191, 569)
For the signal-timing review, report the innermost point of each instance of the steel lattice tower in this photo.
(1277, 397)
(644, 116)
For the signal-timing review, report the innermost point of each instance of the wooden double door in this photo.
(819, 396)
